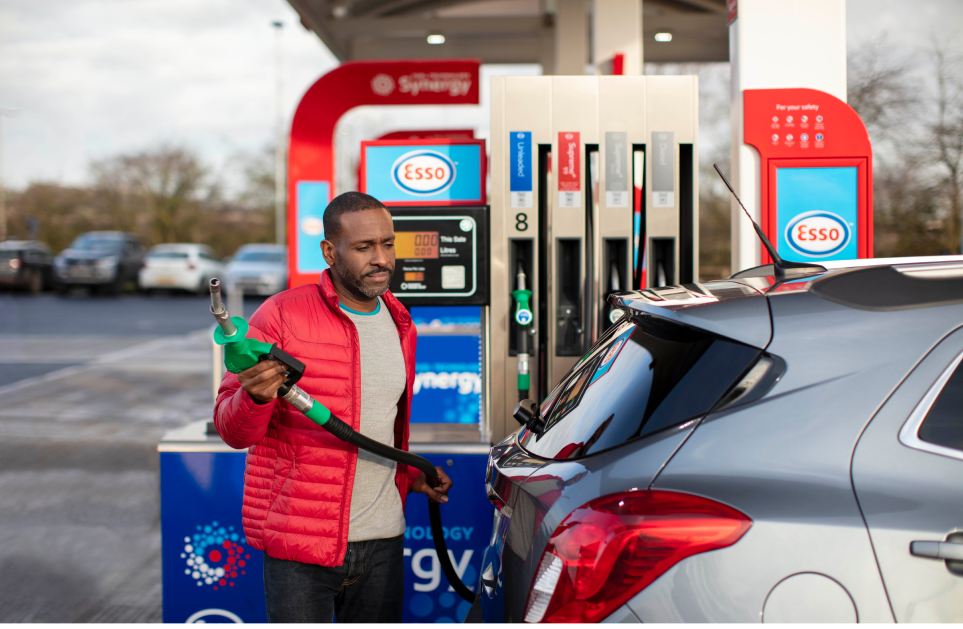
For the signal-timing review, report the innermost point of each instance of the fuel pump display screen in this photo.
(416, 245)
(441, 256)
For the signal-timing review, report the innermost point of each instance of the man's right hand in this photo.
(263, 380)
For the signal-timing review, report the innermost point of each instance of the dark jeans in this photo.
(368, 587)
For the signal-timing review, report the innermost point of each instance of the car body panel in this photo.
(734, 309)
(33, 268)
(191, 273)
(552, 491)
(908, 495)
(257, 277)
(113, 266)
(784, 458)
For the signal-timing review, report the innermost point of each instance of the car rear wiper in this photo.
(781, 268)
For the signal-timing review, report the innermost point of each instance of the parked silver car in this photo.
(258, 269)
(745, 450)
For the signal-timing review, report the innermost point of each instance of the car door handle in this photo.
(937, 550)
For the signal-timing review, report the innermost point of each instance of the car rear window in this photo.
(167, 255)
(93, 243)
(944, 422)
(641, 377)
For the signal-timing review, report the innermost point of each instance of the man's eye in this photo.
(361, 249)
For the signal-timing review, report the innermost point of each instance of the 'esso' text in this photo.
(817, 234)
(423, 172)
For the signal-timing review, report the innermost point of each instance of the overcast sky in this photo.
(92, 78)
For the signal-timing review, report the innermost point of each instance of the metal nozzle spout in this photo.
(520, 278)
(219, 311)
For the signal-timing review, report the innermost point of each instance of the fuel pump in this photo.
(594, 183)
(523, 317)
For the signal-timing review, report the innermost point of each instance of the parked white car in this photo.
(181, 266)
(258, 270)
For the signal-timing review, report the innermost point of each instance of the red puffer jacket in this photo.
(298, 477)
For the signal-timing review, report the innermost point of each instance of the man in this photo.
(330, 518)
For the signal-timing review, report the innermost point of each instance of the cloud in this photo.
(98, 77)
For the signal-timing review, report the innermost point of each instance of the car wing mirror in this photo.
(528, 414)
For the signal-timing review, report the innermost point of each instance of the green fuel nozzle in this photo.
(243, 352)
(523, 317)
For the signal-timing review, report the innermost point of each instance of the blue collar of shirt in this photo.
(362, 314)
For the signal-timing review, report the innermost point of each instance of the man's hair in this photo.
(343, 204)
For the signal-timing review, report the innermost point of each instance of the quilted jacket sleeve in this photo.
(240, 421)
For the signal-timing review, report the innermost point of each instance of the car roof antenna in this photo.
(779, 265)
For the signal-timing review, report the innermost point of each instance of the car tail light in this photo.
(610, 549)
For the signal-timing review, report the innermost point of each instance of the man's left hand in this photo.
(438, 494)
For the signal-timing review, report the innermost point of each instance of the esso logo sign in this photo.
(817, 234)
(423, 172)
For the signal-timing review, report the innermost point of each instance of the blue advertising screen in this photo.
(420, 174)
(817, 212)
(313, 198)
(448, 382)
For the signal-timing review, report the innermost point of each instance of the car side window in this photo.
(943, 424)
(641, 377)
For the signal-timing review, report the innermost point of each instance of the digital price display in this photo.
(441, 256)
(416, 245)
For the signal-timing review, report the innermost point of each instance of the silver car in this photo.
(745, 450)
(258, 270)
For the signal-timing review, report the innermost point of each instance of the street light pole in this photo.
(279, 213)
(3, 190)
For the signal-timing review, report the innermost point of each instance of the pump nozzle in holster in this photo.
(242, 352)
(523, 317)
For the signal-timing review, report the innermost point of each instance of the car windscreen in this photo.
(98, 244)
(641, 377)
(167, 255)
(260, 256)
(9, 254)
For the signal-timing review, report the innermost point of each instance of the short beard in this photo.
(357, 282)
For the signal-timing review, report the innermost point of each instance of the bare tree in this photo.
(881, 88)
(165, 185)
(944, 141)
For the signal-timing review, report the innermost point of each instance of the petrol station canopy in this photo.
(506, 31)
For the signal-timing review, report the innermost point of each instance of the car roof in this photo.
(871, 285)
(178, 245)
(105, 234)
(21, 244)
(262, 247)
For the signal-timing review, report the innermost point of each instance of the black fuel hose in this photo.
(346, 433)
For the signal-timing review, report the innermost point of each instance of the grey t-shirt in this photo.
(376, 511)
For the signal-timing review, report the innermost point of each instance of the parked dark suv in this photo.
(25, 264)
(104, 260)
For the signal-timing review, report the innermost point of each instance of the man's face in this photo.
(364, 255)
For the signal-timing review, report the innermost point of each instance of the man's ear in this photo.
(328, 250)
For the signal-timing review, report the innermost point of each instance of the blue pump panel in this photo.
(817, 210)
(210, 573)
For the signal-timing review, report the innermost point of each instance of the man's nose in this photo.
(380, 257)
